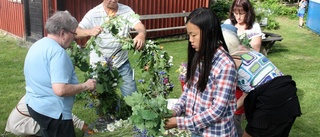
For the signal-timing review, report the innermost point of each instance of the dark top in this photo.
(275, 101)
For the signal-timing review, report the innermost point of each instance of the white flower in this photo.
(95, 76)
(170, 61)
(118, 123)
(95, 130)
(110, 127)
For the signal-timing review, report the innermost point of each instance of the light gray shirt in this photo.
(108, 45)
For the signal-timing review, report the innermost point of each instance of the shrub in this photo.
(221, 8)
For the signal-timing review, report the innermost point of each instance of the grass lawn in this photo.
(297, 55)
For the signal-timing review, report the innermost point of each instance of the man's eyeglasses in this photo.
(71, 32)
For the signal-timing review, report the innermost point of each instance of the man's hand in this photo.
(81, 33)
(139, 41)
(96, 31)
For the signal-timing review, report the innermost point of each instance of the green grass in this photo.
(297, 55)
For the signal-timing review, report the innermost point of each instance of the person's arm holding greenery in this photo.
(81, 33)
(140, 39)
(64, 89)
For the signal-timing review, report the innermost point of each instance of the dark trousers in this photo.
(50, 127)
(273, 130)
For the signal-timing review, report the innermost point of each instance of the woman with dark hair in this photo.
(208, 102)
(242, 16)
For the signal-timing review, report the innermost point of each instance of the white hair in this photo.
(231, 39)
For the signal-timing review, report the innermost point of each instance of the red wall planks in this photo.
(12, 18)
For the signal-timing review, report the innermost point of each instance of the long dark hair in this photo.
(243, 5)
(211, 39)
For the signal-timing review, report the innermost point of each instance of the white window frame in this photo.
(16, 1)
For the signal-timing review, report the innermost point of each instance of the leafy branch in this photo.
(148, 104)
(244, 40)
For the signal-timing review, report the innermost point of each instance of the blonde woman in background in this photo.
(271, 105)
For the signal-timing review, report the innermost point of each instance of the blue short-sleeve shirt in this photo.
(47, 63)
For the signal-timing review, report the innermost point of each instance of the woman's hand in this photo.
(170, 123)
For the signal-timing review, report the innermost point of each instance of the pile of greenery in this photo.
(148, 104)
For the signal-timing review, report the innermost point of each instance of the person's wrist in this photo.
(143, 33)
(85, 86)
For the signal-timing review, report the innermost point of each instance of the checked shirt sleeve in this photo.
(180, 106)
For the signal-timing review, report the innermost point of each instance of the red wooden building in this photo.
(26, 18)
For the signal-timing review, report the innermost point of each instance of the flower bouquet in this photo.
(245, 40)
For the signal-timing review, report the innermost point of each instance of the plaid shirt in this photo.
(210, 112)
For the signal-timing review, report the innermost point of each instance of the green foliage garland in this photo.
(149, 105)
(104, 99)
